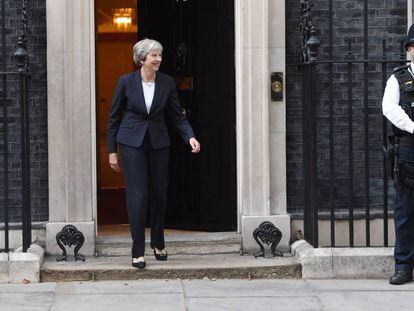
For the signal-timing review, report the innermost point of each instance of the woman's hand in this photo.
(114, 163)
(195, 145)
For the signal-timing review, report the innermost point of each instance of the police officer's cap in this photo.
(410, 37)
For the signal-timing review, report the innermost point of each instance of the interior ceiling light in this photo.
(122, 18)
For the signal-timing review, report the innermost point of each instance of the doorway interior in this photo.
(198, 41)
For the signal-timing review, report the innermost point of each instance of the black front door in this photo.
(198, 40)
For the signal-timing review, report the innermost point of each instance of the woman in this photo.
(141, 102)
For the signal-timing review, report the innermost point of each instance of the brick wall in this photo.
(38, 112)
(386, 20)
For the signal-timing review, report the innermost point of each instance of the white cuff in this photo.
(410, 128)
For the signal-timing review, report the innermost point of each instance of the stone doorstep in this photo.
(189, 244)
(173, 249)
(189, 237)
(344, 263)
(179, 266)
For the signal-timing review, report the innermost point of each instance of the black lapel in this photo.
(140, 91)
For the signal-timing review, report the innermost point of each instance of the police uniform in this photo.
(398, 108)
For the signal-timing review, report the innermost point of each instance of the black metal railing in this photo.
(22, 61)
(345, 174)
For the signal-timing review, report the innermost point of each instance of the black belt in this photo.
(407, 141)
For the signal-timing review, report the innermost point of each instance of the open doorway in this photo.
(198, 40)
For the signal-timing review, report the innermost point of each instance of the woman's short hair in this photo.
(142, 48)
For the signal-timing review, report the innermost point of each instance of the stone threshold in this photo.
(344, 263)
(212, 266)
(191, 243)
(188, 236)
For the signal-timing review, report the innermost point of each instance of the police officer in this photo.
(397, 106)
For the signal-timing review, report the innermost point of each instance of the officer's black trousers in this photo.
(146, 178)
(404, 218)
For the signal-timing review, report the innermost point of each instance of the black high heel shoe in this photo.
(138, 263)
(160, 257)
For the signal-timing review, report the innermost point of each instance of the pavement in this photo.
(206, 294)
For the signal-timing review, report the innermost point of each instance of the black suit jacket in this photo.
(129, 120)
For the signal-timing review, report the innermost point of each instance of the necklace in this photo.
(148, 83)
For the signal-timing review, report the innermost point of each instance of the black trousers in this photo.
(146, 178)
(404, 218)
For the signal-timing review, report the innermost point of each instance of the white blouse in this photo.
(149, 89)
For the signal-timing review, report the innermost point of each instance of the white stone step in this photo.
(177, 266)
(176, 244)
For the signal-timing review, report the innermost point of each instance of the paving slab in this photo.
(357, 285)
(29, 288)
(367, 300)
(179, 266)
(252, 288)
(119, 302)
(207, 295)
(249, 304)
(126, 287)
(34, 301)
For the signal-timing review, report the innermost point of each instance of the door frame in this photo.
(72, 128)
(94, 123)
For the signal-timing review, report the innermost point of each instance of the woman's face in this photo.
(153, 60)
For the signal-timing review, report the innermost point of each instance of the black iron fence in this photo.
(345, 174)
(21, 77)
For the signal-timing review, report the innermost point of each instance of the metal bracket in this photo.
(267, 233)
(69, 236)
